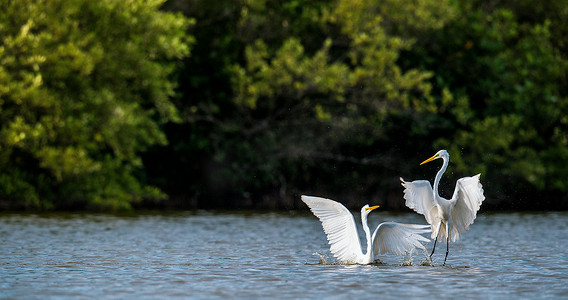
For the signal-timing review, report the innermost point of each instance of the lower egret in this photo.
(449, 218)
(339, 225)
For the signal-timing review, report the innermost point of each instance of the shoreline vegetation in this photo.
(110, 106)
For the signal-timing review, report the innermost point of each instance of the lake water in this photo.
(269, 255)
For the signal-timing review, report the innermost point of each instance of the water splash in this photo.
(408, 261)
(378, 262)
(428, 262)
(322, 258)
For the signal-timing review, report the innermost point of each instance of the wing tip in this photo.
(306, 198)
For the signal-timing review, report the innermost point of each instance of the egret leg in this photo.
(435, 241)
(434, 248)
(447, 241)
(447, 250)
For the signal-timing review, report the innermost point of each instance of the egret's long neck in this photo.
(439, 176)
(369, 253)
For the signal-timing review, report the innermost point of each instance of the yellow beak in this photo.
(429, 159)
(372, 207)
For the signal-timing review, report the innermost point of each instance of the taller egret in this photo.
(339, 225)
(449, 218)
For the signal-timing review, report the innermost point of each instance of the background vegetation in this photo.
(103, 105)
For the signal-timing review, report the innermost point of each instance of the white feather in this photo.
(339, 225)
(454, 215)
(398, 239)
(341, 231)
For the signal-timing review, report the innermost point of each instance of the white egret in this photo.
(339, 225)
(449, 218)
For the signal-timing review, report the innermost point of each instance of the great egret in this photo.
(339, 225)
(455, 214)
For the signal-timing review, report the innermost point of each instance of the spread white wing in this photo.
(398, 239)
(419, 196)
(468, 196)
(339, 225)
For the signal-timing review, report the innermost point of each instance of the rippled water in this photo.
(267, 255)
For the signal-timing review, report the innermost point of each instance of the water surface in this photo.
(268, 255)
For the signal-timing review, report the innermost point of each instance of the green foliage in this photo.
(338, 98)
(311, 90)
(84, 88)
(335, 97)
(514, 75)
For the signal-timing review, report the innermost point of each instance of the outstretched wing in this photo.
(339, 225)
(468, 197)
(420, 197)
(398, 239)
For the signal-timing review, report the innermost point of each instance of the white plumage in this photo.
(339, 226)
(449, 218)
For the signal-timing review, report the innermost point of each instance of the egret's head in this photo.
(367, 209)
(439, 154)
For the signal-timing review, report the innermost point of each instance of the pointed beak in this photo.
(372, 207)
(429, 159)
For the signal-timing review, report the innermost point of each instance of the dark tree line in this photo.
(247, 104)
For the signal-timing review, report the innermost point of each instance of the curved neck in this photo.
(369, 253)
(439, 176)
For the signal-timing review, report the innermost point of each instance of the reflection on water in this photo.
(251, 255)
